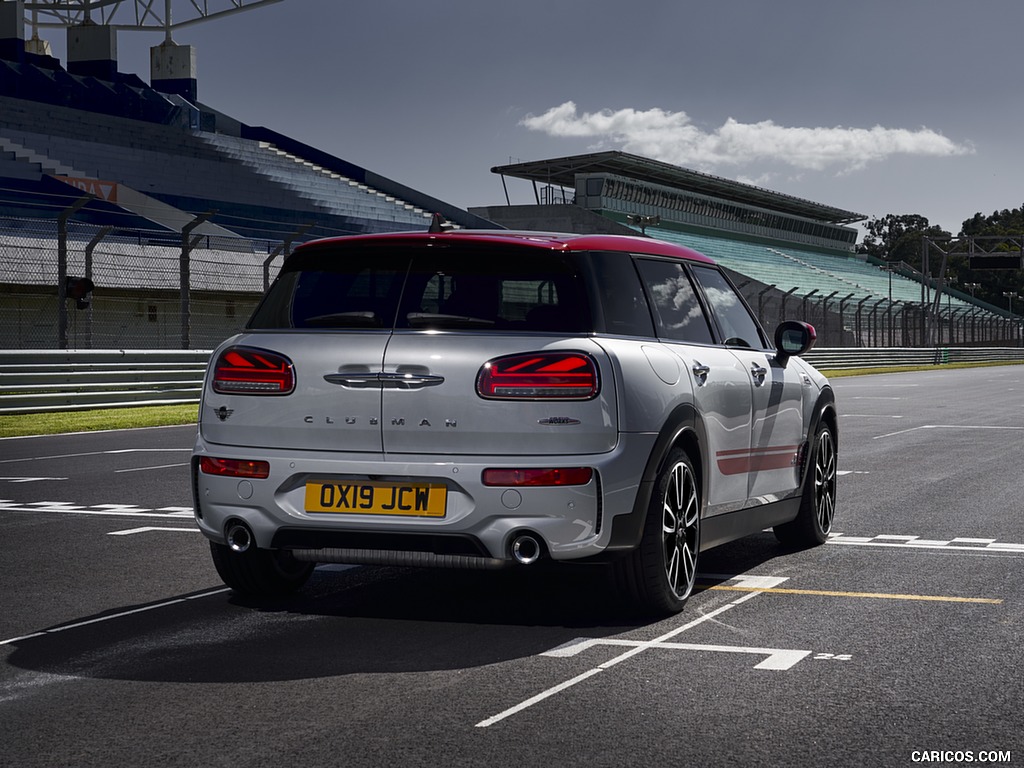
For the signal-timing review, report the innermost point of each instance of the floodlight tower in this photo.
(92, 27)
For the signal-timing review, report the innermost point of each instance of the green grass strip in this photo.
(22, 425)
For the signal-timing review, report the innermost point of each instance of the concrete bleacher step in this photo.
(46, 164)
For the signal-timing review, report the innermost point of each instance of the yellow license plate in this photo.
(372, 498)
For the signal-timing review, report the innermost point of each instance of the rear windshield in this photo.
(427, 288)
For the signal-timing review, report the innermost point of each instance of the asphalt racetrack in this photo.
(898, 642)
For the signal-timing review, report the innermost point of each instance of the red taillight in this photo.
(535, 477)
(539, 376)
(251, 371)
(234, 467)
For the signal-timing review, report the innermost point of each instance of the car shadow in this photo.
(359, 620)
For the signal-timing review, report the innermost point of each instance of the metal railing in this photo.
(37, 381)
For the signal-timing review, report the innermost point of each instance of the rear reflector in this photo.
(538, 477)
(234, 467)
(251, 371)
(539, 376)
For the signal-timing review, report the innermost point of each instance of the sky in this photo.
(875, 106)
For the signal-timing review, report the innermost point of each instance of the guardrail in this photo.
(848, 358)
(37, 381)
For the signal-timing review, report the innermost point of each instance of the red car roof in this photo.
(542, 240)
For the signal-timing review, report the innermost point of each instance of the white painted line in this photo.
(147, 450)
(960, 540)
(108, 510)
(744, 580)
(537, 699)
(114, 616)
(95, 453)
(176, 510)
(148, 528)
(871, 541)
(853, 540)
(890, 537)
(98, 432)
(633, 651)
(1005, 547)
(778, 658)
(144, 469)
(29, 479)
(959, 427)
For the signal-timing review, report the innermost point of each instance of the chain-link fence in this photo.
(871, 321)
(145, 289)
(158, 290)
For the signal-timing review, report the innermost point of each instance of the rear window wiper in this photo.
(436, 320)
(363, 319)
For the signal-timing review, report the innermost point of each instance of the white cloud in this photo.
(672, 137)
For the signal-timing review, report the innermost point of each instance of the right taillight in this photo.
(251, 371)
(539, 376)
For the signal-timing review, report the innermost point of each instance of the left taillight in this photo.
(258, 470)
(539, 376)
(252, 371)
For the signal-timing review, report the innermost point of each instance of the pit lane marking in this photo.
(113, 510)
(641, 646)
(958, 543)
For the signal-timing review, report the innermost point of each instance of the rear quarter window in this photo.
(678, 312)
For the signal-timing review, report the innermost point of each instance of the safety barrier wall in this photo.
(37, 381)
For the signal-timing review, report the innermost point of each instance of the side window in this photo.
(619, 296)
(677, 310)
(734, 319)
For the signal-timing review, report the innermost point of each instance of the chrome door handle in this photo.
(354, 380)
(409, 380)
(758, 372)
(701, 371)
(383, 380)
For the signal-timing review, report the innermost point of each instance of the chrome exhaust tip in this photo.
(526, 550)
(239, 537)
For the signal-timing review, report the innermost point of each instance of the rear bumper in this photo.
(571, 522)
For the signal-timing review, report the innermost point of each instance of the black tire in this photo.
(260, 572)
(813, 522)
(659, 575)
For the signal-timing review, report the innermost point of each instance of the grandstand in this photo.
(177, 213)
(790, 257)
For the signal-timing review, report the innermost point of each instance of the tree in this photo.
(898, 237)
(1005, 223)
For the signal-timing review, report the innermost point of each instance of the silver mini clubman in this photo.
(492, 399)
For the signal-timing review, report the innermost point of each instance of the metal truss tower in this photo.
(92, 27)
(144, 15)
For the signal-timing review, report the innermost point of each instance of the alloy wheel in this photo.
(825, 481)
(681, 529)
